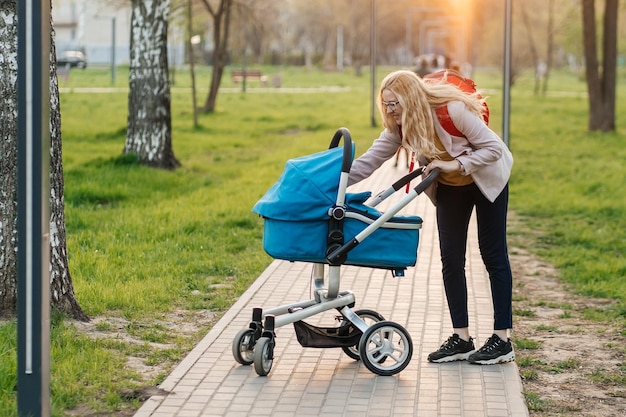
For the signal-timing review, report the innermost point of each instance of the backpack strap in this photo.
(465, 84)
(446, 121)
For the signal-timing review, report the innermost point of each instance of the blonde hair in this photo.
(418, 98)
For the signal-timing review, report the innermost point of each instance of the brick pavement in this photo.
(326, 382)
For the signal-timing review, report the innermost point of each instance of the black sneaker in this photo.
(494, 351)
(454, 349)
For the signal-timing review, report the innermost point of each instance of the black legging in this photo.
(454, 209)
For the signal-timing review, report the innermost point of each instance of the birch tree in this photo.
(61, 286)
(8, 156)
(149, 133)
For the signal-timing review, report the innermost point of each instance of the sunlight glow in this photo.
(461, 9)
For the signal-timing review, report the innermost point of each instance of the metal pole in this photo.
(373, 60)
(506, 89)
(33, 203)
(407, 41)
(244, 65)
(113, 50)
(340, 48)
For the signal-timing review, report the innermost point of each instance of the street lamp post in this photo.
(373, 59)
(33, 205)
(113, 50)
(113, 30)
(409, 35)
(506, 88)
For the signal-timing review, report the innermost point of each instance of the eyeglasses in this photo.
(390, 105)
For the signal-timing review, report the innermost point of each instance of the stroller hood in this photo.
(306, 189)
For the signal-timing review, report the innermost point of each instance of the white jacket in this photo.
(483, 154)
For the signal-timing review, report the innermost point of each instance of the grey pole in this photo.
(408, 35)
(33, 201)
(340, 47)
(506, 88)
(373, 60)
(113, 50)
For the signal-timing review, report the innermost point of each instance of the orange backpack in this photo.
(467, 85)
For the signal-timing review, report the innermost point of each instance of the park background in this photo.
(145, 245)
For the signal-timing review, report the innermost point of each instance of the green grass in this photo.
(547, 328)
(536, 403)
(143, 243)
(527, 344)
(568, 187)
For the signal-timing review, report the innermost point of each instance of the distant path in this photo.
(329, 89)
(281, 90)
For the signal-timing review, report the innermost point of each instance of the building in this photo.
(101, 29)
(98, 28)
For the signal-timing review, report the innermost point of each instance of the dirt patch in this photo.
(178, 325)
(570, 366)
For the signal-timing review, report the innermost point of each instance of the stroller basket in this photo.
(298, 222)
(345, 335)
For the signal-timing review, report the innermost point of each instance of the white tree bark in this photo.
(149, 133)
(61, 287)
(8, 156)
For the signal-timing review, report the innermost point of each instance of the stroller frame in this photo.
(384, 347)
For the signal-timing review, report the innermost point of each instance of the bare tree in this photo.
(532, 46)
(149, 133)
(358, 44)
(220, 12)
(601, 73)
(554, 15)
(254, 25)
(61, 287)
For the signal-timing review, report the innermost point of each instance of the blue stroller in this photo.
(335, 228)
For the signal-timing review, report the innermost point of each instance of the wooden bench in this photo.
(250, 74)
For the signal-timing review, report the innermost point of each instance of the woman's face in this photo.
(392, 106)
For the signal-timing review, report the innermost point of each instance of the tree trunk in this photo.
(61, 287)
(601, 79)
(8, 158)
(221, 26)
(149, 133)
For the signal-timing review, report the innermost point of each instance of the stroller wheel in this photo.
(243, 346)
(263, 356)
(388, 342)
(368, 316)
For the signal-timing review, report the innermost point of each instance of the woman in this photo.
(474, 172)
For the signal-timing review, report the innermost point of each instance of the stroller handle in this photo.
(430, 178)
(404, 181)
(346, 163)
(408, 178)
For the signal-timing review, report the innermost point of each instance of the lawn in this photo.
(144, 243)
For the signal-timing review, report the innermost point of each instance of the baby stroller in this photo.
(335, 228)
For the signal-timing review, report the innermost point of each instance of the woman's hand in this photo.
(444, 166)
